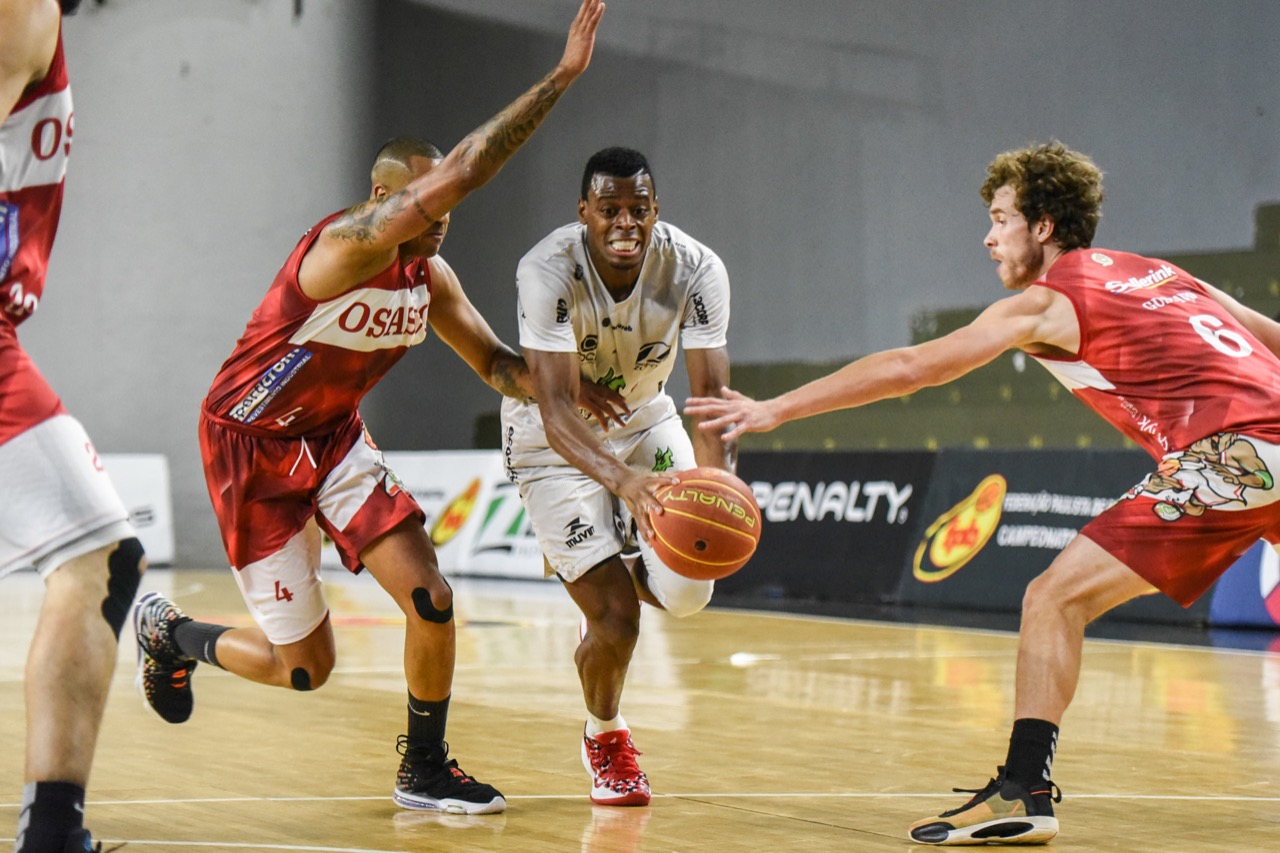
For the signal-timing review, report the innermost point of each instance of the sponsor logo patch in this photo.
(268, 386)
(1162, 274)
(578, 532)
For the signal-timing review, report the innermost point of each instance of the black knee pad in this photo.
(427, 608)
(300, 679)
(124, 571)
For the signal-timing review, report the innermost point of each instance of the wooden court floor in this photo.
(760, 733)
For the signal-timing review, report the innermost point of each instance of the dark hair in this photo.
(616, 162)
(401, 148)
(1051, 180)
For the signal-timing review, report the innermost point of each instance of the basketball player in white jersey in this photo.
(58, 511)
(611, 298)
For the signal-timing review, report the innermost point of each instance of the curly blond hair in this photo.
(1051, 180)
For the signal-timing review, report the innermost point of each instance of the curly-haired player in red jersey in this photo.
(1185, 371)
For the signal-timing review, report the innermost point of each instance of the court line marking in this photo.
(223, 845)
(715, 795)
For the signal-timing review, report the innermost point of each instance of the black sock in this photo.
(50, 812)
(1031, 749)
(198, 640)
(426, 722)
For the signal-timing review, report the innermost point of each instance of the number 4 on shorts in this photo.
(282, 593)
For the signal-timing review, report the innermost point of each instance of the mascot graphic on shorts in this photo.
(1217, 472)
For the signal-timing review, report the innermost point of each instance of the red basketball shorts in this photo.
(1202, 508)
(266, 491)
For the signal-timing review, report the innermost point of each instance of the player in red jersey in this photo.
(58, 511)
(286, 454)
(1178, 366)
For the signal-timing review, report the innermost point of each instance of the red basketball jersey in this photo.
(302, 367)
(1159, 357)
(35, 141)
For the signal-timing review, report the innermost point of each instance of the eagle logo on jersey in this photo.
(652, 354)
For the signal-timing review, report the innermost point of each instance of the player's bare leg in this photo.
(1082, 583)
(69, 668)
(404, 563)
(640, 580)
(1016, 806)
(304, 665)
(608, 599)
(68, 675)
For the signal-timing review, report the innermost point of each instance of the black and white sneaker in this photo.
(428, 779)
(164, 673)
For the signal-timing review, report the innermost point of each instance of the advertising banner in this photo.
(994, 520)
(142, 481)
(837, 526)
(474, 516)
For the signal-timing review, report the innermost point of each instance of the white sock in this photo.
(596, 726)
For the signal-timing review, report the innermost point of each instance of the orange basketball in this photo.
(709, 526)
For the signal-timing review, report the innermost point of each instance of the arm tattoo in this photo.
(357, 224)
(505, 377)
(364, 222)
(426, 217)
(491, 144)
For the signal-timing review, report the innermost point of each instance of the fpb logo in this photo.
(961, 532)
(455, 515)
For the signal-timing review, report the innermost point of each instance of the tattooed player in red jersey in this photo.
(286, 454)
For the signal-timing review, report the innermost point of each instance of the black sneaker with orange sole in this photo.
(1003, 812)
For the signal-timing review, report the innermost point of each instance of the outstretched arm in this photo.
(365, 239)
(1038, 315)
(28, 39)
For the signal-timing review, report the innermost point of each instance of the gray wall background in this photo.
(829, 150)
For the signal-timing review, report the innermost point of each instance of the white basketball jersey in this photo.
(682, 295)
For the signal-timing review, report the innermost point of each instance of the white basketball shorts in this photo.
(56, 500)
(579, 523)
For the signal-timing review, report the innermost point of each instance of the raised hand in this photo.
(582, 38)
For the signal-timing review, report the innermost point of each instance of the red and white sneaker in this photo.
(616, 779)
